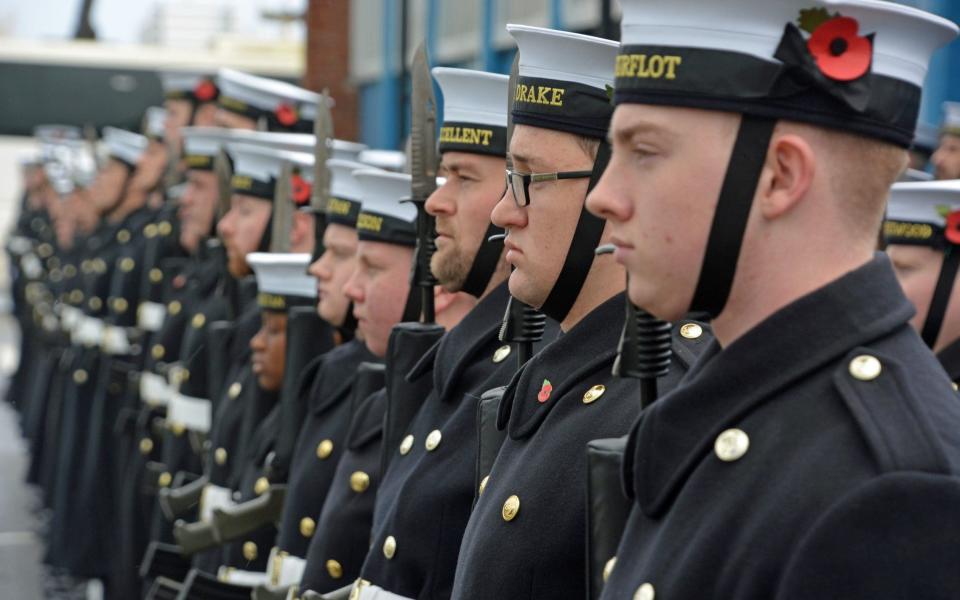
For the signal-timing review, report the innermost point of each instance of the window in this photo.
(458, 30)
(366, 40)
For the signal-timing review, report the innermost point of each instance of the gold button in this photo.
(334, 569)
(731, 445)
(594, 393)
(127, 264)
(250, 551)
(865, 367)
(158, 351)
(150, 231)
(406, 445)
(86, 266)
(95, 303)
(608, 568)
(165, 479)
(433, 440)
(956, 387)
(100, 265)
(483, 484)
(174, 307)
(198, 320)
(123, 236)
(178, 429)
(80, 376)
(359, 481)
(307, 527)
(165, 228)
(120, 305)
(70, 271)
(501, 354)
(389, 546)
(220, 456)
(645, 592)
(261, 486)
(233, 392)
(324, 449)
(76, 297)
(510, 508)
(146, 445)
(691, 331)
(156, 275)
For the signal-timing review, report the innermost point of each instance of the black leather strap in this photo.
(941, 295)
(484, 263)
(733, 210)
(580, 257)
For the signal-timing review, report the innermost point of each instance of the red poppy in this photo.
(840, 53)
(545, 391)
(300, 190)
(205, 91)
(286, 115)
(952, 231)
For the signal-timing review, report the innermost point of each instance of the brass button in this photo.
(123, 236)
(359, 481)
(146, 445)
(156, 275)
(120, 305)
(261, 486)
(334, 569)
(165, 228)
(645, 592)
(483, 484)
(433, 440)
(165, 479)
(389, 547)
(865, 367)
(233, 392)
(150, 231)
(594, 393)
(324, 449)
(220, 456)
(691, 331)
(406, 445)
(510, 508)
(95, 303)
(158, 351)
(127, 264)
(76, 297)
(250, 551)
(608, 568)
(198, 320)
(174, 307)
(731, 445)
(80, 376)
(100, 265)
(955, 387)
(86, 266)
(70, 271)
(178, 429)
(502, 353)
(307, 527)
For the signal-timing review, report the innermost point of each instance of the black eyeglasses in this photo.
(519, 183)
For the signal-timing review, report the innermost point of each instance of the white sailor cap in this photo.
(563, 81)
(202, 144)
(853, 65)
(256, 169)
(285, 106)
(52, 134)
(346, 193)
(924, 213)
(388, 160)
(195, 87)
(123, 145)
(299, 142)
(282, 280)
(154, 120)
(474, 111)
(386, 215)
(951, 118)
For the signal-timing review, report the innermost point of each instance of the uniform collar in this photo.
(680, 429)
(335, 377)
(563, 363)
(458, 349)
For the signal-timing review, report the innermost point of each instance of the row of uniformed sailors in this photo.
(376, 506)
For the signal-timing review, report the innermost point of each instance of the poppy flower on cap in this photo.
(300, 190)
(205, 91)
(840, 52)
(952, 228)
(286, 115)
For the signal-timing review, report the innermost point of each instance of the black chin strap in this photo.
(484, 263)
(580, 256)
(941, 295)
(733, 210)
(267, 236)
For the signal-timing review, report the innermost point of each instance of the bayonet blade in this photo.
(423, 129)
(323, 130)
